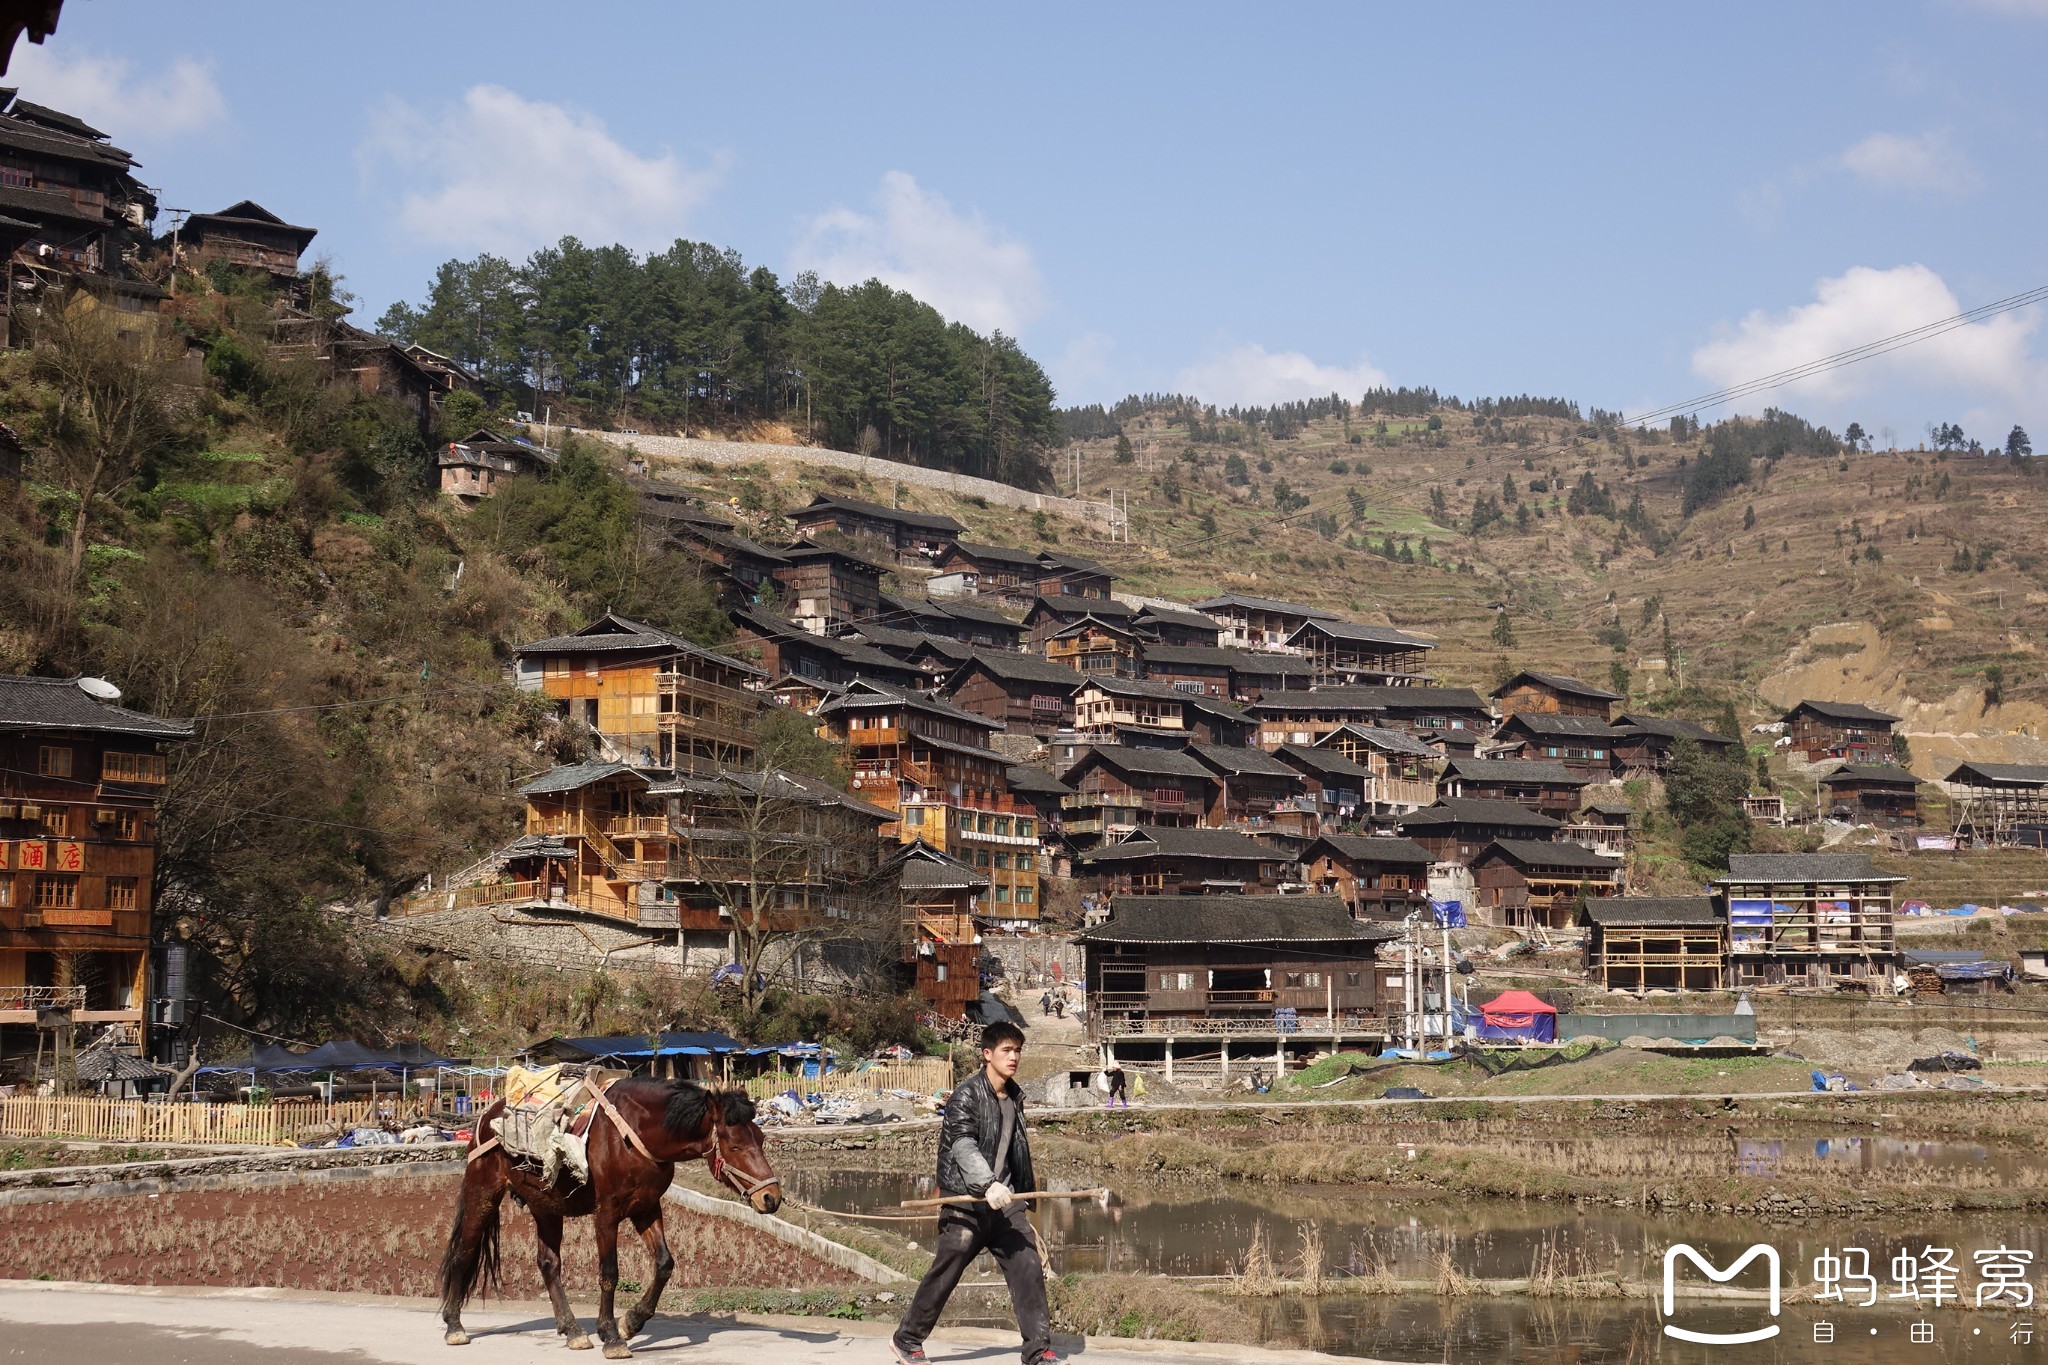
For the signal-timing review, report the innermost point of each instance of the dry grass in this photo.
(383, 1236)
(1147, 1307)
(1451, 1282)
(1256, 1277)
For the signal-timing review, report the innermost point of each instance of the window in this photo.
(52, 761)
(1026, 895)
(556, 666)
(913, 815)
(56, 893)
(1027, 829)
(1351, 978)
(120, 893)
(1176, 981)
(1024, 862)
(1002, 895)
(1003, 825)
(6, 890)
(1294, 978)
(1003, 862)
(132, 768)
(1187, 685)
(1311, 978)
(57, 821)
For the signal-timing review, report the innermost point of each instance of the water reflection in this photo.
(1206, 1232)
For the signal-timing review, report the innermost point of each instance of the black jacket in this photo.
(968, 1136)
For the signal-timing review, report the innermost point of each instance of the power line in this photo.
(1852, 356)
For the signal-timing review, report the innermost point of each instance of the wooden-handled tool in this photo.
(1021, 1195)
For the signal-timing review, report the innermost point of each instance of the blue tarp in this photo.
(639, 1046)
(1448, 914)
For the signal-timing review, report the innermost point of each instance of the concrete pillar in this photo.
(1279, 1055)
(1226, 1063)
(1169, 1059)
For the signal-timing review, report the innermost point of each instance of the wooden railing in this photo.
(41, 997)
(139, 1121)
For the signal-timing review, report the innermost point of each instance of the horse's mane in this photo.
(690, 1106)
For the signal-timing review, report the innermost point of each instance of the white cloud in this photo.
(1252, 376)
(1863, 305)
(133, 110)
(503, 173)
(915, 241)
(1926, 164)
(1082, 367)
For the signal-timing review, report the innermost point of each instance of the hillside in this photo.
(1838, 576)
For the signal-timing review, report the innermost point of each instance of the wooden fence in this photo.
(921, 1075)
(285, 1123)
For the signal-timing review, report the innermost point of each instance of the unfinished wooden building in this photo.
(1810, 919)
(652, 698)
(1377, 877)
(2001, 803)
(1259, 622)
(1348, 652)
(1653, 943)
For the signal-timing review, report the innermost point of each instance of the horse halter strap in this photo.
(626, 1130)
(739, 1180)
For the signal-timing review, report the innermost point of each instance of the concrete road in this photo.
(55, 1323)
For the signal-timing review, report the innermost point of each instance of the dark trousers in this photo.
(965, 1233)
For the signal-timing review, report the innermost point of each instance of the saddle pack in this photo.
(547, 1116)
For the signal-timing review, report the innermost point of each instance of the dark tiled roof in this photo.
(865, 694)
(1053, 559)
(1025, 779)
(1543, 853)
(768, 625)
(1670, 727)
(1513, 770)
(61, 704)
(1193, 656)
(1386, 741)
(1178, 616)
(1650, 910)
(930, 869)
(995, 554)
(1323, 762)
(1754, 869)
(578, 775)
(1843, 711)
(961, 610)
(1241, 761)
(1158, 841)
(1074, 608)
(1378, 848)
(1465, 810)
(1356, 632)
(1235, 919)
(46, 204)
(799, 551)
(1245, 602)
(613, 633)
(929, 521)
(1150, 762)
(1870, 772)
(1133, 687)
(1564, 727)
(1557, 682)
(2002, 774)
(1376, 699)
(1021, 668)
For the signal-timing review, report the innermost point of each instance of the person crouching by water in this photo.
(984, 1152)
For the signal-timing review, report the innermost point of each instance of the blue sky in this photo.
(1623, 204)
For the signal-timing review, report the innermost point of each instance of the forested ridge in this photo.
(690, 338)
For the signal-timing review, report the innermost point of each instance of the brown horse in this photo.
(672, 1121)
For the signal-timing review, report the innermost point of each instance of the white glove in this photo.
(999, 1195)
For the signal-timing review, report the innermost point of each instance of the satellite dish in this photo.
(99, 687)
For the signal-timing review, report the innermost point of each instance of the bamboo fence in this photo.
(284, 1123)
(921, 1075)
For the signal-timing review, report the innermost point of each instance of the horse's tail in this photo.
(469, 1259)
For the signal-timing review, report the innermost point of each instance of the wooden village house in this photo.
(1118, 788)
(999, 572)
(941, 940)
(1189, 959)
(823, 587)
(1403, 768)
(80, 777)
(1458, 829)
(1553, 694)
(1046, 617)
(1540, 883)
(779, 646)
(1547, 788)
(1452, 718)
(1584, 745)
(2001, 803)
(1027, 694)
(1259, 622)
(476, 466)
(906, 537)
(1821, 730)
(1810, 919)
(1097, 648)
(653, 698)
(1158, 623)
(1642, 745)
(1158, 860)
(1377, 877)
(1650, 943)
(1876, 794)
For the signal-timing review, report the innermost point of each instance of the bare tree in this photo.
(789, 861)
(112, 408)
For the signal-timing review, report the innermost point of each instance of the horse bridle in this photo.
(746, 1185)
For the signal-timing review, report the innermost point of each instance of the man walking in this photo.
(983, 1152)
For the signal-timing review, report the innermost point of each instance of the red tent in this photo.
(1518, 1014)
